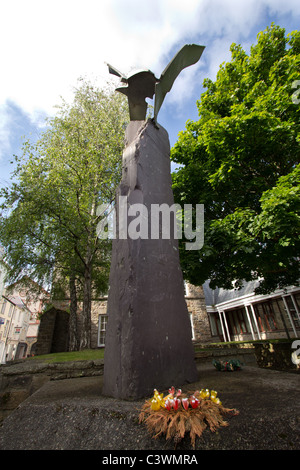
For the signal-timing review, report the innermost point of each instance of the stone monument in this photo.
(148, 338)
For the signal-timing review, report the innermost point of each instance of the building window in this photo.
(19, 316)
(3, 306)
(10, 310)
(6, 328)
(237, 321)
(215, 325)
(102, 330)
(265, 315)
(269, 316)
(297, 300)
(192, 325)
(291, 307)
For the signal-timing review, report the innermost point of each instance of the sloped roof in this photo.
(213, 297)
(16, 300)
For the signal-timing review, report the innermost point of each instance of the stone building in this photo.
(14, 323)
(195, 299)
(215, 315)
(20, 310)
(241, 315)
(50, 337)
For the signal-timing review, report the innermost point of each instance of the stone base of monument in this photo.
(148, 337)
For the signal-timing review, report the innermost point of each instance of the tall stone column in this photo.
(148, 338)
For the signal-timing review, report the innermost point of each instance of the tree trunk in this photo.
(85, 333)
(73, 328)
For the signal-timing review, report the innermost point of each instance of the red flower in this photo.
(185, 403)
(176, 403)
(194, 402)
(168, 405)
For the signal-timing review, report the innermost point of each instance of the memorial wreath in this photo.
(177, 414)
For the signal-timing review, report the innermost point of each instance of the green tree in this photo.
(49, 217)
(240, 160)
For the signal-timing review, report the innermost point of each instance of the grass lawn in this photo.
(85, 355)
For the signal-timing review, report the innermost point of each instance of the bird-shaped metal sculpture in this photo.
(143, 84)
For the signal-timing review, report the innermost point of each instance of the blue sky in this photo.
(47, 46)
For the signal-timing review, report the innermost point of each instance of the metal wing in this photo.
(187, 55)
(116, 72)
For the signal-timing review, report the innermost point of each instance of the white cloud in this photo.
(288, 6)
(47, 46)
(4, 130)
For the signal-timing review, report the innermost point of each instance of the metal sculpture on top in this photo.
(143, 84)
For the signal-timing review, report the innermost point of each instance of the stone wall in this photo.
(45, 335)
(196, 306)
(53, 332)
(277, 356)
(21, 379)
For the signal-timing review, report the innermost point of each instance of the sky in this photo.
(46, 46)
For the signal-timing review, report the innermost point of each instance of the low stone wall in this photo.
(245, 355)
(20, 380)
(265, 354)
(277, 356)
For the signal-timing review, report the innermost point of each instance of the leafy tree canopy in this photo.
(49, 215)
(241, 160)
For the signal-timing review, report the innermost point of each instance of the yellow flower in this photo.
(157, 395)
(217, 401)
(157, 401)
(204, 393)
(155, 405)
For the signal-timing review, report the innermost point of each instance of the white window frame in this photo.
(192, 324)
(102, 324)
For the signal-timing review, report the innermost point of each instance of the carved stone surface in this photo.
(148, 338)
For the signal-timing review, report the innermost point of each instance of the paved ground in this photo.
(73, 415)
